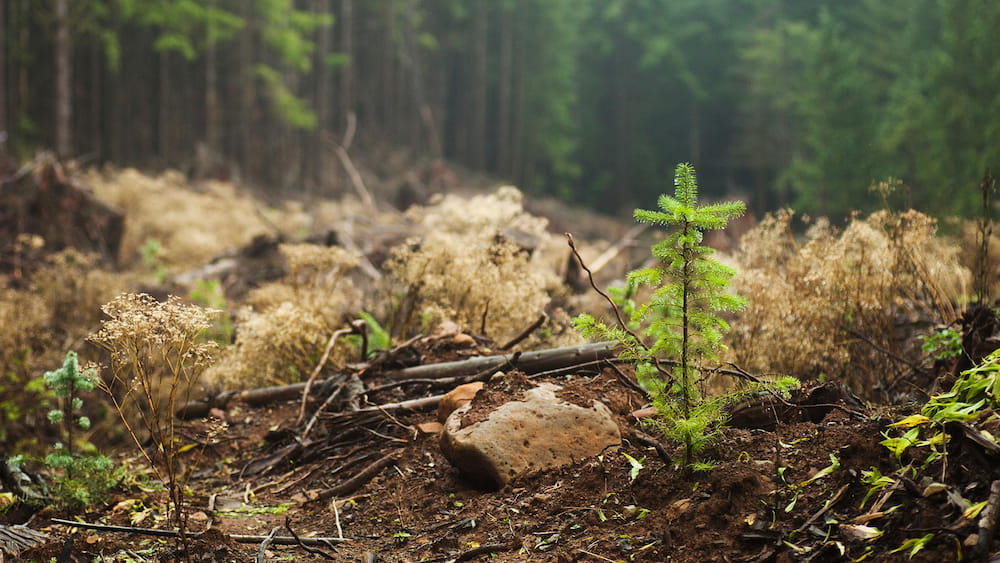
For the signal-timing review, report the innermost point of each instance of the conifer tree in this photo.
(680, 324)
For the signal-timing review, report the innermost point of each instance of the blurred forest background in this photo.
(783, 102)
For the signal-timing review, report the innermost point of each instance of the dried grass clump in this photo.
(191, 225)
(75, 288)
(835, 302)
(464, 269)
(281, 334)
(972, 252)
(25, 319)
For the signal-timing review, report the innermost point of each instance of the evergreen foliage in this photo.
(80, 478)
(794, 103)
(681, 323)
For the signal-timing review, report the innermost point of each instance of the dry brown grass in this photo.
(463, 268)
(835, 302)
(281, 333)
(75, 288)
(191, 225)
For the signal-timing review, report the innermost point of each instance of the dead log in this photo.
(45, 200)
(239, 538)
(528, 362)
(17, 538)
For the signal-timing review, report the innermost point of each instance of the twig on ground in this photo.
(829, 504)
(313, 550)
(336, 517)
(594, 555)
(647, 440)
(312, 421)
(526, 332)
(261, 557)
(316, 371)
(359, 480)
(125, 529)
(626, 379)
(484, 550)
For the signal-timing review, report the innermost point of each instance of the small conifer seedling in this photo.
(679, 326)
(83, 477)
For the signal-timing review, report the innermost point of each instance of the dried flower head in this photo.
(145, 336)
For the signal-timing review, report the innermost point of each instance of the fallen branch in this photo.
(647, 440)
(528, 362)
(526, 332)
(356, 180)
(826, 507)
(313, 550)
(319, 367)
(359, 480)
(486, 549)
(615, 249)
(277, 540)
(261, 552)
(14, 539)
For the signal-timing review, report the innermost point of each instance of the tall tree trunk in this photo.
(518, 79)
(622, 128)
(504, 101)
(411, 60)
(248, 95)
(316, 146)
(478, 136)
(96, 91)
(4, 135)
(347, 48)
(163, 117)
(211, 90)
(694, 137)
(63, 78)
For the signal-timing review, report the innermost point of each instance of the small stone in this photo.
(432, 427)
(456, 398)
(648, 412)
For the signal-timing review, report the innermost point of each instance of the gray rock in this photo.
(539, 431)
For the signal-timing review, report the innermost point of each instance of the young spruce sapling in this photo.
(680, 327)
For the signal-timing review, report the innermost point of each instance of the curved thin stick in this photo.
(319, 367)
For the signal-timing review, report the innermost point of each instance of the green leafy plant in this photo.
(943, 344)
(82, 476)
(914, 545)
(680, 326)
(152, 257)
(209, 294)
(373, 338)
(973, 396)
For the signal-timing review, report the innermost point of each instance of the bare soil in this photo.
(752, 507)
